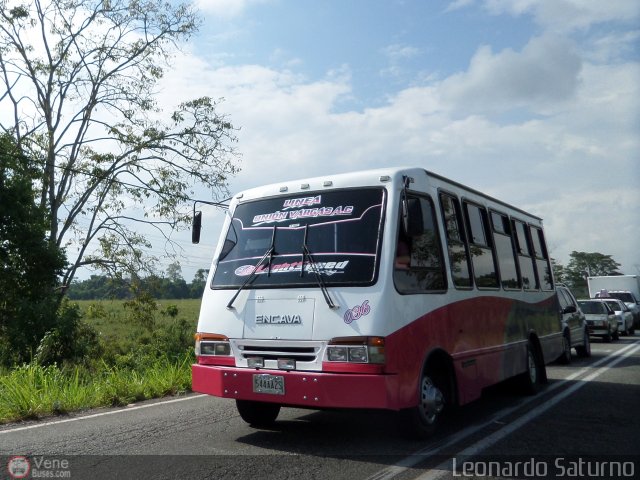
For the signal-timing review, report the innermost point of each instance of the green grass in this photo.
(109, 317)
(136, 362)
(33, 391)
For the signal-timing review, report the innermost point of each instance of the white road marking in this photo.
(417, 457)
(445, 467)
(102, 414)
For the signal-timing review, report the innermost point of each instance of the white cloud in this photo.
(612, 47)
(543, 74)
(396, 55)
(575, 163)
(568, 15)
(459, 4)
(226, 8)
(600, 220)
(398, 52)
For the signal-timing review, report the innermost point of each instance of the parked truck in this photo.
(623, 287)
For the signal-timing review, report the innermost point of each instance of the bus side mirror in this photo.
(196, 226)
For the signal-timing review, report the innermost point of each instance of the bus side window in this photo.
(419, 265)
(542, 258)
(502, 239)
(525, 256)
(456, 245)
(484, 265)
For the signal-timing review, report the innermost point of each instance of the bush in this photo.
(171, 310)
(142, 308)
(96, 311)
(71, 340)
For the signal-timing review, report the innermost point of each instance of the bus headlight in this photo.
(358, 354)
(356, 350)
(337, 354)
(212, 344)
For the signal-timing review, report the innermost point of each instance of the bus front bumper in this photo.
(301, 389)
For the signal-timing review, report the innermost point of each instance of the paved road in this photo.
(588, 413)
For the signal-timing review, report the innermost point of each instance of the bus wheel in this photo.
(584, 350)
(565, 358)
(420, 422)
(258, 414)
(531, 380)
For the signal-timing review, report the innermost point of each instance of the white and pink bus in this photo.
(391, 289)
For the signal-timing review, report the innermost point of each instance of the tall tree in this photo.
(29, 264)
(558, 271)
(198, 283)
(583, 264)
(174, 271)
(79, 79)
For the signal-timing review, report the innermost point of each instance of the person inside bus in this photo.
(403, 253)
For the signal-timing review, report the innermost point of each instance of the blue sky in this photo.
(536, 102)
(385, 45)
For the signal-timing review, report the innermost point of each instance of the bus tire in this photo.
(421, 421)
(258, 414)
(584, 350)
(532, 379)
(565, 358)
(436, 395)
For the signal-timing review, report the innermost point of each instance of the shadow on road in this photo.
(606, 406)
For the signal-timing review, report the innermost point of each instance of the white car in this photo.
(601, 319)
(574, 325)
(624, 315)
(630, 301)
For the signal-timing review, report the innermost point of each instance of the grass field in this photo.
(134, 360)
(110, 317)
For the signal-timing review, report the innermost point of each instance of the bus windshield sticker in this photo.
(324, 268)
(302, 202)
(280, 216)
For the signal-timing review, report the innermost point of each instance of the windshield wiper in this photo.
(268, 254)
(314, 268)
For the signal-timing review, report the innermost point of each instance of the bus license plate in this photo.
(265, 383)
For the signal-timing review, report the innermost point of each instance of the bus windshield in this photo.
(266, 240)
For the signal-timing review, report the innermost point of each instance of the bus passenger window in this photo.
(525, 257)
(505, 251)
(456, 246)
(542, 258)
(484, 265)
(418, 264)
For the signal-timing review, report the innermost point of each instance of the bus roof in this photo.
(363, 178)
